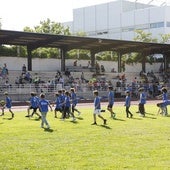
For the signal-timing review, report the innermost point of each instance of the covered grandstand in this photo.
(66, 43)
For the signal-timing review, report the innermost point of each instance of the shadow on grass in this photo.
(48, 130)
(118, 119)
(136, 118)
(106, 126)
(74, 121)
(34, 119)
(150, 117)
(79, 118)
(10, 118)
(150, 114)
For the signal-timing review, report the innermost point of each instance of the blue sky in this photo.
(16, 14)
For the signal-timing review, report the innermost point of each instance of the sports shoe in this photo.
(48, 127)
(94, 123)
(104, 122)
(74, 119)
(113, 115)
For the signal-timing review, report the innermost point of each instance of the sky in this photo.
(17, 14)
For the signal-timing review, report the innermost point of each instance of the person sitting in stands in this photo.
(28, 77)
(75, 63)
(24, 69)
(67, 73)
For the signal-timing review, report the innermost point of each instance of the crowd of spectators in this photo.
(151, 82)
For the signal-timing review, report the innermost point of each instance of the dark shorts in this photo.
(110, 106)
(58, 109)
(34, 109)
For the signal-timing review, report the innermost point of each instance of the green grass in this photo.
(138, 143)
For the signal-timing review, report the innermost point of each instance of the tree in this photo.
(48, 27)
(144, 37)
(164, 38)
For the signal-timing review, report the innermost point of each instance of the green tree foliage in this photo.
(48, 27)
(164, 38)
(142, 37)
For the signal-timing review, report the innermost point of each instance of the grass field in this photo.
(138, 143)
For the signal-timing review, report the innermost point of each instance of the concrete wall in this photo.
(52, 65)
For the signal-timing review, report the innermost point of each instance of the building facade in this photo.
(119, 20)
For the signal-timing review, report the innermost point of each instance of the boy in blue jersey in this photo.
(127, 104)
(67, 106)
(8, 105)
(165, 101)
(43, 106)
(34, 103)
(74, 101)
(97, 108)
(142, 102)
(58, 107)
(111, 101)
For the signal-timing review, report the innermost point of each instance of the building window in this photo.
(142, 27)
(157, 25)
(168, 24)
(127, 29)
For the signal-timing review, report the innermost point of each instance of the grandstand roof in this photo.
(36, 40)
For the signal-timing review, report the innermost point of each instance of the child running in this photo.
(97, 108)
(127, 104)
(43, 105)
(67, 107)
(8, 105)
(111, 101)
(142, 102)
(74, 101)
(58, 107)
(34, 102)
(165, 101)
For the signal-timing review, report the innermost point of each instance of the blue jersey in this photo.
(165, 97)
(67, 101)
(74, 98)
(8, 102)
(43, 104)
(97, 103)
(127, 101)
(142, 98)
(57, 103)
(34, 101)
(62, 99)
(111, 97)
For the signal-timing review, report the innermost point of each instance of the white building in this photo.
(119, 19)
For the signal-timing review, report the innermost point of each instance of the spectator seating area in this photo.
(49, 82)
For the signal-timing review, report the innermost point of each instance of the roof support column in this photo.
(62, 56)
(144, 54)
(92, 53)
(29, 59)
(119, 62)
(165, 65)
(166, 61)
